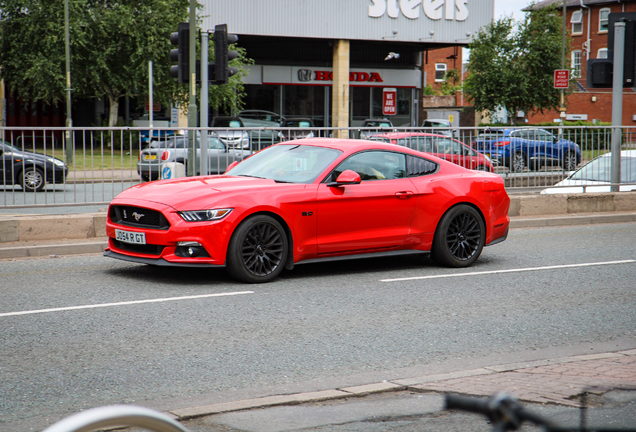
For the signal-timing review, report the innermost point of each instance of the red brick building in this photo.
(587, 26)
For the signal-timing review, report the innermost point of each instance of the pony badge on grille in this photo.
(137, 216)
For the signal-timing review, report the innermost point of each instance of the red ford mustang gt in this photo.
(308, 200)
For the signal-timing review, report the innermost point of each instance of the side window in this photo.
(518, 134)
(456, 148)
(445, 145)
(577, 63)
(603, 19)
(577, 22)
(374, 165)
(417, 167)
(440, 71)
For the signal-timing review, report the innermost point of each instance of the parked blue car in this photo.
(518, 149)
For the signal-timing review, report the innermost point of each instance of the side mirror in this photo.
(346, 177)
(230, 166)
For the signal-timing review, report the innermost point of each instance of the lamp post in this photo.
(562, 109)
(70, 147)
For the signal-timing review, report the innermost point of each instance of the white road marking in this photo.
(103, 305)
(519, 270)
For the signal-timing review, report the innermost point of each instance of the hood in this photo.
(195, 193)
(32, 156)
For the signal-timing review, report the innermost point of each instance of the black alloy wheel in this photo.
(32, 179)
(258, 250)
(459, 237)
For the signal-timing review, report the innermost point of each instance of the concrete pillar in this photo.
(340, 103)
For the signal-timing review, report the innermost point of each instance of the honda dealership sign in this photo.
(323, 76)
(440, 21)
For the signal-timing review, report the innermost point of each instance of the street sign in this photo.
(561, 79)
(389, 101)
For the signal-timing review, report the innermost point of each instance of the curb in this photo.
(416, 384)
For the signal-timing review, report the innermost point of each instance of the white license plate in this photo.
(130, 237)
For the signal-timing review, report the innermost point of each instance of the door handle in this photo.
(404, 194)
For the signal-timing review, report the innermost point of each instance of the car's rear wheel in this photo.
(459, 237)
(258, 250)
(569, 161)
(32, 179)
(518, 162)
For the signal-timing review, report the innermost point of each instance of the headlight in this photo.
(57, 162)
(487, 158)
(311, 135)
(204, 215)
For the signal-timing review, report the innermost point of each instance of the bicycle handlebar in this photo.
(503, 410)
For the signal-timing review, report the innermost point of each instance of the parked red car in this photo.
(441, 146)
(307, 200)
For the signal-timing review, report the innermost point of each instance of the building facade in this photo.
(331, 60)
(588, 28)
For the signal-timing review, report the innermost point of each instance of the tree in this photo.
(111, 44)
(514, 67)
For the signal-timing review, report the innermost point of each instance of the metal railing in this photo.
(42, 167)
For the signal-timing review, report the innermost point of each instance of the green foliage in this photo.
(513, 67)
(429, 91)
(111, 45)
(449, 87)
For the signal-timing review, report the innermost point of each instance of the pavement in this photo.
(557, 381)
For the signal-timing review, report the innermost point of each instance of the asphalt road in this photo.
(86, 331)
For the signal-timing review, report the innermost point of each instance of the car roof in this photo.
(355, 145)
(398, 135)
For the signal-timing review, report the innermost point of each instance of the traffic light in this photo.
(600, 71)
(181, 55)
(222, 55)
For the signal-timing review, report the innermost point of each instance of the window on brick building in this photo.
(602, 53)
(603, 20)
(440, 71)
(577, 56)
(577, 22)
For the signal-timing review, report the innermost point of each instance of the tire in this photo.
(518, 162)
(145, 177)
(482, 168)
(258, 250)
(569, 161)
(32, 179)
(459, 237)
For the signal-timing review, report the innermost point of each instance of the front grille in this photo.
(147, 249)
(138, 217)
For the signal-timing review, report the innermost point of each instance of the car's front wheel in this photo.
(32, 179)
(518, 162)
(459, 237)
(569, 161)
(258, 250)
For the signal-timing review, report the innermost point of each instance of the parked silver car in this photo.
(231, 132)
(176, 150)
(296, 128)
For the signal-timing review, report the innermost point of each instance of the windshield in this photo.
(491, 135)
(377, 124)
(232, 123)
(600, 169)
(297, 123)
(287, 163)
(435, 124)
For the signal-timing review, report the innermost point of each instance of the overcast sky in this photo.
(507, 7)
